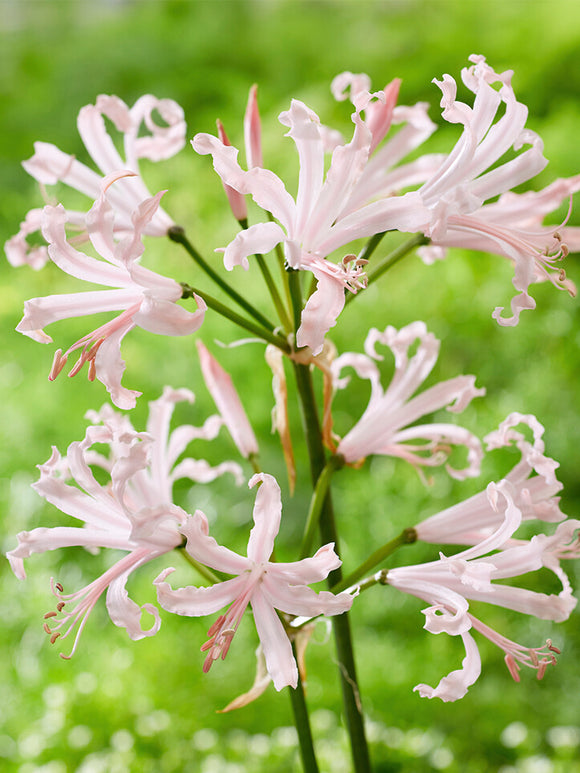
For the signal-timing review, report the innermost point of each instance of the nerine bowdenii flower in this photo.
(144, 298)
(387, 425)
(133, 512)
(449, 583)
(50, 166)
(462, 195)
(330, 210)
(263, 584)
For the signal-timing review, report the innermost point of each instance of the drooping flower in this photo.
(473, 520)
(134, 512)
(265, 585)
(145, 299)
(384, 428)
(470, 176)
(322, 218)
(228, 403)
(49, 165)
(448, 584)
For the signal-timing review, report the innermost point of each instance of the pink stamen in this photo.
(90, 345)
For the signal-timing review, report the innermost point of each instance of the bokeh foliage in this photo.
(146, 706)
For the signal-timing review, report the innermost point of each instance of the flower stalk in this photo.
(177, 234)
(328, 532)
(225, 311)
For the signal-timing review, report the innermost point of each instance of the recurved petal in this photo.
(164, 317)
(257, 239)
(196, 602)
(275, 643)
(302, 600)
(308, 570)
(206, 550)
(110, 367)
(455, 685)
(125, 613)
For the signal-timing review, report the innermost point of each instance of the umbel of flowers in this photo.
(463, 198)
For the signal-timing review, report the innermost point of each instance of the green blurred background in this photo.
(146, 706)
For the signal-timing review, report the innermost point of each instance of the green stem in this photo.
(302, 722)
(275, 295)
(370, 246)
(328, 532)
(177, 234)
(295, 295)
(225, 311)
(317, 503)
(406, 537)
(389, 261)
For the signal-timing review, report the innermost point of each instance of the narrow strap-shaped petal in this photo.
(304, 130)
(41, 539)
(97, 140)
(124, 612)
(308, 570)
(267, 515)
(206, 550)
(302, 600)
(110, 367)
(197, 601)
(321, 312)
(40, 312)
(455, 685)
(164, 317)
(275, 643)
(257, 239)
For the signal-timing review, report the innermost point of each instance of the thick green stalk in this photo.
(225, 311)
(328, 532)
(302, 722)
(177, 234)
(406, 537)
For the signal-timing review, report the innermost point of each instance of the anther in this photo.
(59, 587)
(50, 614)
(47, 629)
(551, 647)
(60, 605)
(54, 637)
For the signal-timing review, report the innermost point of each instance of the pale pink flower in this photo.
(475, 519)
(448, 584)
(384, 428)
(134, 512)
(49, 165)
(145, 299)
(470, 175)
(227, 400)
(265, 585)
(321, 219)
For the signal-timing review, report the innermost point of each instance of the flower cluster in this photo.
(373, 183)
